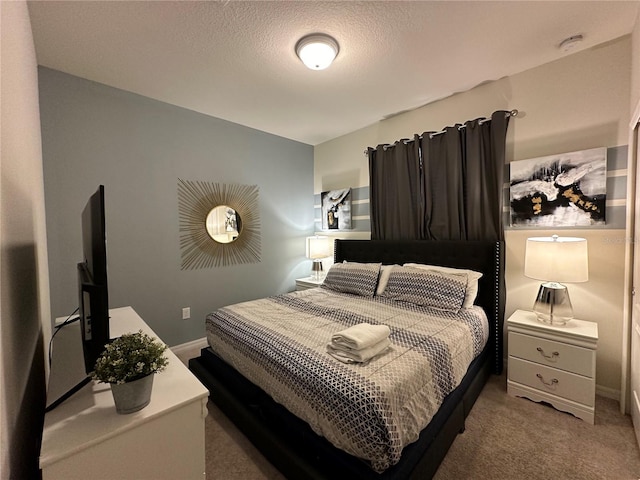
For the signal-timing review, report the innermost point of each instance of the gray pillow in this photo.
(429, 288)
(472, 280)
(352, 277)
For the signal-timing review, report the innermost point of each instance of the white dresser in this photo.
(553, 364)
(85, 438)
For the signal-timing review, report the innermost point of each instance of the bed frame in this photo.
(290, 444)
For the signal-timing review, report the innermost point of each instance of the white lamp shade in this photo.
(557, 259)
(318, 247)
(318, 51)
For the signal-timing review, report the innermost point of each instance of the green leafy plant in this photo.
(130, 357)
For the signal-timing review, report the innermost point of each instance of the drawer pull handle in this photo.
(548, 357)
(552, 383)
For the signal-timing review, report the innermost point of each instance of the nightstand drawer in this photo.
(550, 380)
(570, 358)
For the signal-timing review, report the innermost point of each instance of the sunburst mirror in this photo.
(219, 224)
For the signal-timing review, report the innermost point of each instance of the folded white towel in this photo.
(348, 355)
(360, 336)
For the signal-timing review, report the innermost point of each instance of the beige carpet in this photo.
(505, 438)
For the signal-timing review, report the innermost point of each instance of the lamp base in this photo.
(316, 268)
(552, 305)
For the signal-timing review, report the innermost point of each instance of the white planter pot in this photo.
(132, 396)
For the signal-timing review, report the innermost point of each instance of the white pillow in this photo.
(472, 280)
(385, 271)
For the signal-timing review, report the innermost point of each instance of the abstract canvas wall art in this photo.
(563, 190)
(336, 209)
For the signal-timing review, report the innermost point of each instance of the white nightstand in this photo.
(308, 282)
(553, 364)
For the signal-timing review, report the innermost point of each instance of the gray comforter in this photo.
(371, 410)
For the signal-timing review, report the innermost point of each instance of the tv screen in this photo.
(92, 281)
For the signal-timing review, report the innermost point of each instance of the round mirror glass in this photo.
(223, 224)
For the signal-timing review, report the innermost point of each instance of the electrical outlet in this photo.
(186, 313)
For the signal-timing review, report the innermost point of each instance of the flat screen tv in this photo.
(92, 281)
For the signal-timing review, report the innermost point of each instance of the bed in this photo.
(290, 441)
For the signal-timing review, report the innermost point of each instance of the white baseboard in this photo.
(188, 350)
(607, 392)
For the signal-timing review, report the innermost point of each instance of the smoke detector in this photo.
(571, 43)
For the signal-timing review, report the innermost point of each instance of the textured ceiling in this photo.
(235, 60)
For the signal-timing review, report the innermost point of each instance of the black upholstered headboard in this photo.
(486, 257)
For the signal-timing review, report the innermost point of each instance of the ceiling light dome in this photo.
(317, 51)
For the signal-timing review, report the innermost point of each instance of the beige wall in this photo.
(631, 187)
(635, 64)
(578, 102)
(24, 281)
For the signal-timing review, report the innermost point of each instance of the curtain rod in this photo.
(510, 113)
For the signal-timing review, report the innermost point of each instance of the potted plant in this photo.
(128, 364)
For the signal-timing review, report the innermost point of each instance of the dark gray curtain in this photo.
(485, 147)
(395, 196)
(460, 175)
(444, 185)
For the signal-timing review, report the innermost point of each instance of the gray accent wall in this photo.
(137, 148)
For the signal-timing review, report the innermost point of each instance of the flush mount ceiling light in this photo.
(317, 51)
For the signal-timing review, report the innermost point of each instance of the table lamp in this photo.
(317, 248)
(553, 260)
